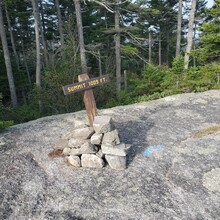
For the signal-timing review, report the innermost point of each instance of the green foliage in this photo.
(5, 124)
(205, 77)
(152, 78)
(145, 81)
(129, 49)
(58, 74)
(174, 76)
(4, 111)
(210, 40)
(26, 113)
(153, 96)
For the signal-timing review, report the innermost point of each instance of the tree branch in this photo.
(104, 4)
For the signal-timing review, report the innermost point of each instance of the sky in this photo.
(210, 3)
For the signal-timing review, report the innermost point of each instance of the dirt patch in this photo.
(207, 131)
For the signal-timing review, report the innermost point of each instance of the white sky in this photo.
(210, 3)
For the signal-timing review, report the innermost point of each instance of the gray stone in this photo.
(75, 152)
(117, 150)
(211, 180)
(86, 148)
(83, 133)
(66, 151)
(66, 136)
(100, 154)
(116, 162)
(76, 143)
(73, 160)
(111, 138)
(79, 123)
(92, 161)
(61, 144)
(69, 134)
(168, 184)
(102, 124)
(96, 139)
(2, 141)
(79, 133)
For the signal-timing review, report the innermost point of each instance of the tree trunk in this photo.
(168, 49)
(25, 62)
(80, 35)
(100, 63)
(7, 60)
(194, 46)
(12, 39)
(179, 25)
(42, 32)
(159, 49)
(149, 48)
(37, 38)
(15, 52)
(190, 35)
(88, 95)
(60, 25)
(118, 47)
(125, 79)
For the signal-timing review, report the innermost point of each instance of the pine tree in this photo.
(210, 51)
(7, 60)
(190, 34)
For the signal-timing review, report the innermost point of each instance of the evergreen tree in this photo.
(190, 34)
(210, 39)
(7, 60)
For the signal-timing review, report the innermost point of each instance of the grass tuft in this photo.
(207, 131)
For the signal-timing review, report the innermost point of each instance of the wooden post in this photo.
(89, 100)
(86, 84)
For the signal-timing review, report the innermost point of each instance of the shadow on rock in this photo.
(135, 133)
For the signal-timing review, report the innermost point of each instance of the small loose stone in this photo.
(81, 133)
(86, 148)
(61, 144)
(102, 124)
(66, 151)
(100, 154)
(111, 138)
(96, 138)
(117, 150)
(76, 143)
(92, 161)
(116, 162)
(73, 160)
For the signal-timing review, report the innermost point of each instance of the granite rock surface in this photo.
(171, 172)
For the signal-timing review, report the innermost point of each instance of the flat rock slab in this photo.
(170, 174)
(102, 124)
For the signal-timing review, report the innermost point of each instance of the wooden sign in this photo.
(85, 84)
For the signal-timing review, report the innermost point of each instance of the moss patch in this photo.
(207, 131)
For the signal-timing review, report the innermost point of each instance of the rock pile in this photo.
(95, 146)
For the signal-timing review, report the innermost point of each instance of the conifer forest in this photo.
(149, 48)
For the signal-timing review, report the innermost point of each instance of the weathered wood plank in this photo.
(89, 100)
(86, 84)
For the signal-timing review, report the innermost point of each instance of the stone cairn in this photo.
(95, 146)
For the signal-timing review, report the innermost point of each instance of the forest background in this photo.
(150, 49)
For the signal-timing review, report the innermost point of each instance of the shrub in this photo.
(5, 124)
